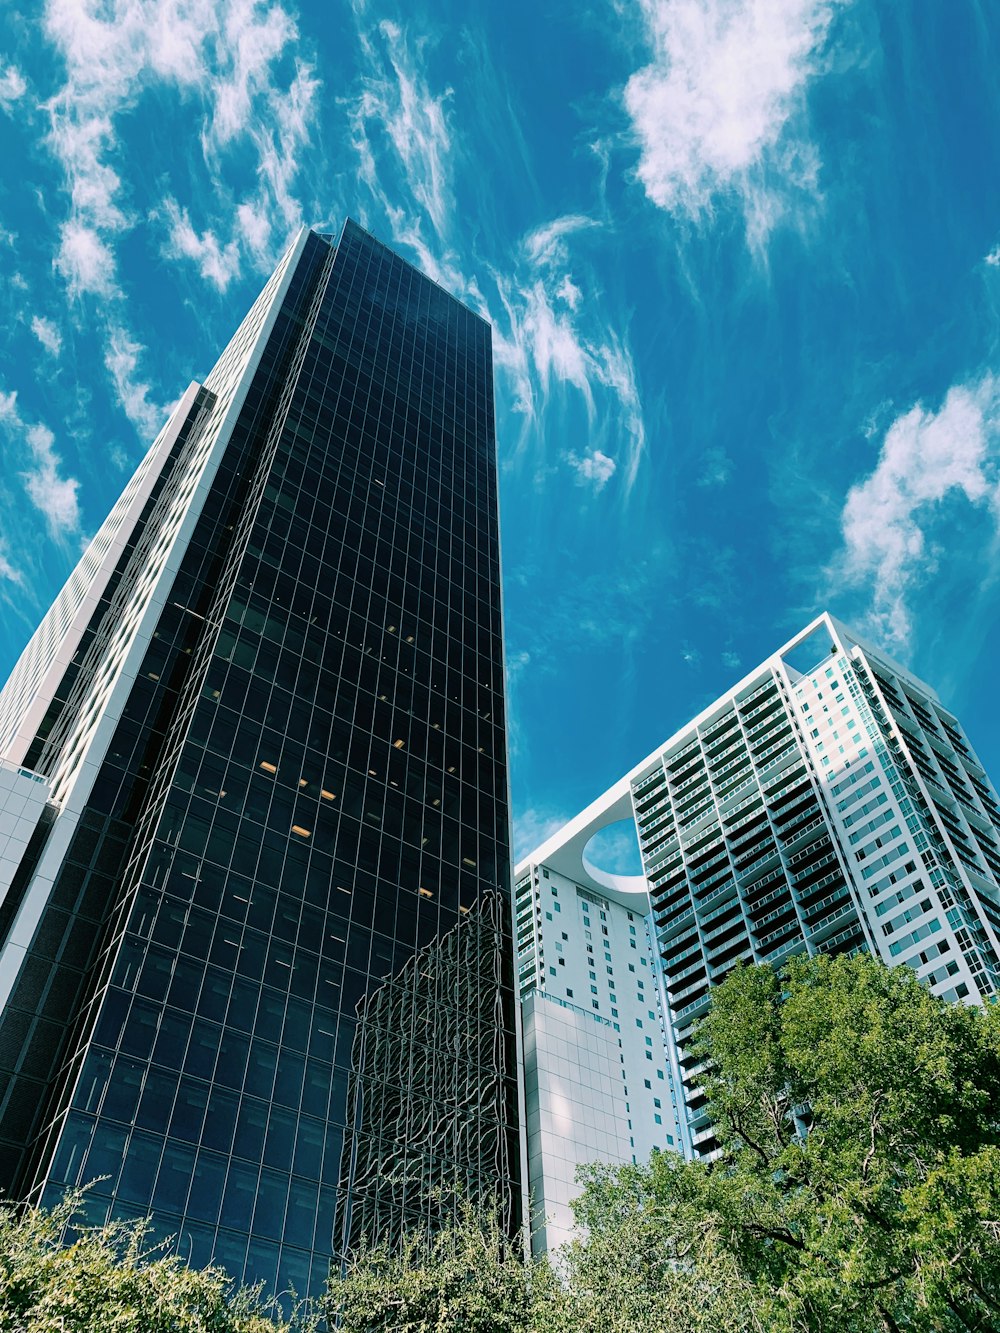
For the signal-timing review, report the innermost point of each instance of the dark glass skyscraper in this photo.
(255, 953)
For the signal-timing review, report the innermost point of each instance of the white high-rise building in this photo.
(828, 802)
(598, 1085)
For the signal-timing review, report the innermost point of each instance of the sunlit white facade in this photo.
(828, 802)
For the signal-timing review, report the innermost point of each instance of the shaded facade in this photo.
(268, 713)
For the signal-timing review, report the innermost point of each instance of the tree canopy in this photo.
(856, 1188)
(857, 1182)
(58, 1277)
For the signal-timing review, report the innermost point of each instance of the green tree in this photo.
(466, 1277)
(57, 1277)
(857, 1184)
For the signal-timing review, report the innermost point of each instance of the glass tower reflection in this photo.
(296, 827)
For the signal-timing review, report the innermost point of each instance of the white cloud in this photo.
(8, 571)
(54, 495)
(993, 258)
(731, 661)
(255, 228)
(556, 347)
(569, 292)
(594, 469)
(892, 541)
(716, 467)
(85, 261)
(546, 245)
(217, 264)
(720, 102)
(533, 827)
(121, 358)
(228, 55)
(401, 128)
(13, 86)
(396, 98)
(47, 333)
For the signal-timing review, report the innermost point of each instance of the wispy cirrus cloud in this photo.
(36, 463)
(121, 358)
(9, 573)
(217, 263)
(547, 337)
(13, 86)
(936, 471)
(396, 102)
(47, 333)
(227, 56)
(534, 826)
(719, 109)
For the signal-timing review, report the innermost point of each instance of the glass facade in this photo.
(270, 996)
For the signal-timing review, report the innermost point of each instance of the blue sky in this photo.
(742, 259)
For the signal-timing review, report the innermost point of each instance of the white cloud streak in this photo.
(53, 494)
(13, 86)
(217, 264)
(47, 333)
(121, 358)
(892, 527)
(544, 334)
(230, 54)
(396, 100)
(720, 105)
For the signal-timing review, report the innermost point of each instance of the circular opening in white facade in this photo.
(614, 850)
(613, 846)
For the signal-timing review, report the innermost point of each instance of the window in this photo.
(659, 1073)
(592, 975)
(631, 968)
(593, 990)
(565, 936)
(658, 1118)
(552, 969)
(595, 1004)
(569, 991)
(562, 963)
(647, 1083)
(656, 1102)
(631, 930)
(638, 1022)
(649, 1040)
